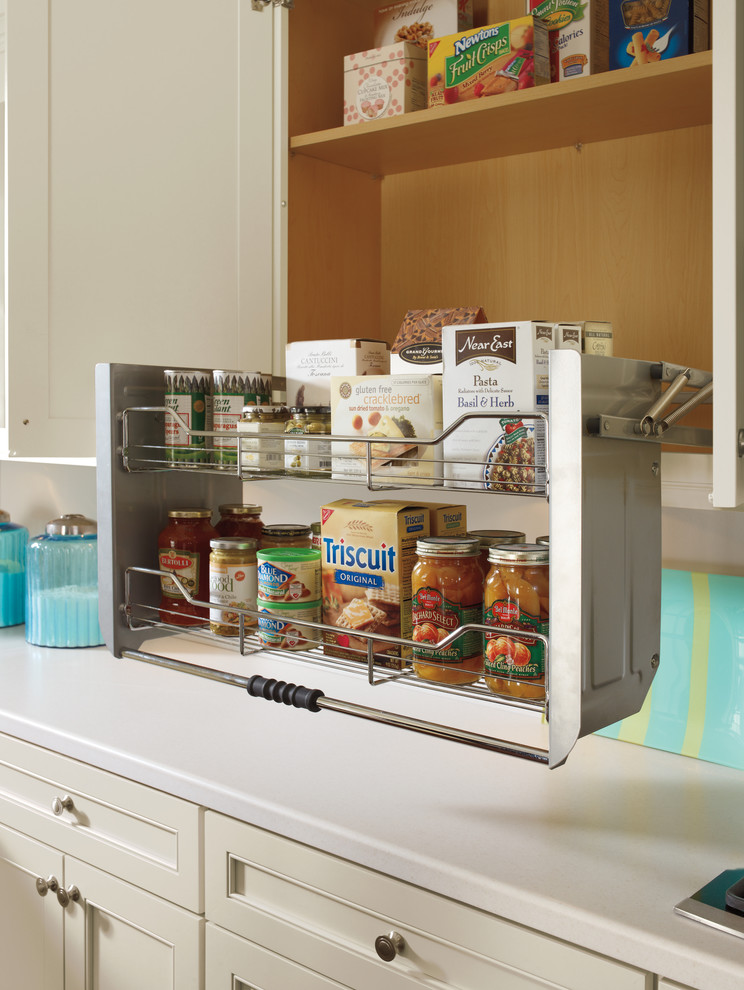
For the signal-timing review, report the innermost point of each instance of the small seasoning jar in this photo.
(240, 520)
(286, 535)
(261, 439)
(517, 597)
(543, 540)
(294, 430)
(492, 538)
(183, 548)
(447, 589)
(303, 456)
(232, 583)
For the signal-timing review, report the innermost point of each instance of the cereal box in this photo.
(644, 31)
(368, 550)
(384, 82)
(578, 36)
(404, 409)
(496, 372)
(418, 346)
(488, 61)
(310, 364)
(418, 21)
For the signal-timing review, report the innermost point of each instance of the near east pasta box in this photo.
(384, 82)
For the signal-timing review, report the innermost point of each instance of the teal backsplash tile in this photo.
(696, 703)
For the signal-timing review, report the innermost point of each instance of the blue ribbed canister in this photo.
(62, 584)
(13, 540)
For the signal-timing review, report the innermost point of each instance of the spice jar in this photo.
(447, 588)
(232, 583)
(183, 547)
(517, 597)
(302, 456)
(286, 535)
(240, 520)
(492, 538)
(261, 439)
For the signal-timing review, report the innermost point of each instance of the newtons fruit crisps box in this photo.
(643, 31)
(578, 36)
(310, 364)
(488, 61)
(418, 21)
(496, 371)
(367, 552)
(384, 82)
(404, 409)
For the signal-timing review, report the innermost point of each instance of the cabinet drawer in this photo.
(281, 894)
(146, 837)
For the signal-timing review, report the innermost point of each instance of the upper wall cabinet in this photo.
(140, 200)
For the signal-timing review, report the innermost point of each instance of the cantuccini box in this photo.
(368, 550)
(418, 345)
(418, 21)
(488, 61)
(646, 31)
(404, 409)
(310, 364)
(496, 372)
(384, 82)
(578, 36)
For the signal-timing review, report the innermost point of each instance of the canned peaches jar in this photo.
(516, 598)
(447, 588)
(280, 625)
(291, 574)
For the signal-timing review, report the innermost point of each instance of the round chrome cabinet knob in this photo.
(44, 886)
(65, 896)
(388, 946)
(62, 804)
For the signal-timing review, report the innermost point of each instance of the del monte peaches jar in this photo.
(516, 598)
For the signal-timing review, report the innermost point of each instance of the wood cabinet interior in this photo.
(616, 228)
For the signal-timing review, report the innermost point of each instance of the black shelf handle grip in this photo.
(283, 693)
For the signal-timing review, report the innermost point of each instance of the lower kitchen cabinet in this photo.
(338, 919)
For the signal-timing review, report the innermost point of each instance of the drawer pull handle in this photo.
(65, 896)
(388, 946)
(62, 804)
(44, 886)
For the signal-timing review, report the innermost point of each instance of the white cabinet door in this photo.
(728, 252)
(140, 200)
(117, 935)
(31, 925)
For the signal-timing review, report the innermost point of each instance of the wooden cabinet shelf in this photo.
(624, 103)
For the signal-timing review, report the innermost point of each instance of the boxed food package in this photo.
(643, 31)
(384, 82)
(403, 408)
(488, 61)
(368, 550)
(496, 371)
(418, 346)
(447, 519)
(418, 21)
(310, 364)
(596, 338)
(568, 336)
(578, 36)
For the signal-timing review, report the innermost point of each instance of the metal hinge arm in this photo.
(260, 4)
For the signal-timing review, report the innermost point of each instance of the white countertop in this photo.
(596, 852)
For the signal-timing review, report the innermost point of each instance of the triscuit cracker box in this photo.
(446, 519)
(578, 36)
(418, 21)
(646, 31)
(488, 61)
(404, 408)
(367, 552)
(496, 372)
(310, 364)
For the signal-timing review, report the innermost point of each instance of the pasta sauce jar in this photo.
(240, 520)
(286, 535)
(183, 548)
(447, 589)
(517, 597)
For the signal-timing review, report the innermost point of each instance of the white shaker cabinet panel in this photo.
(31, 922)
(140, 200)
